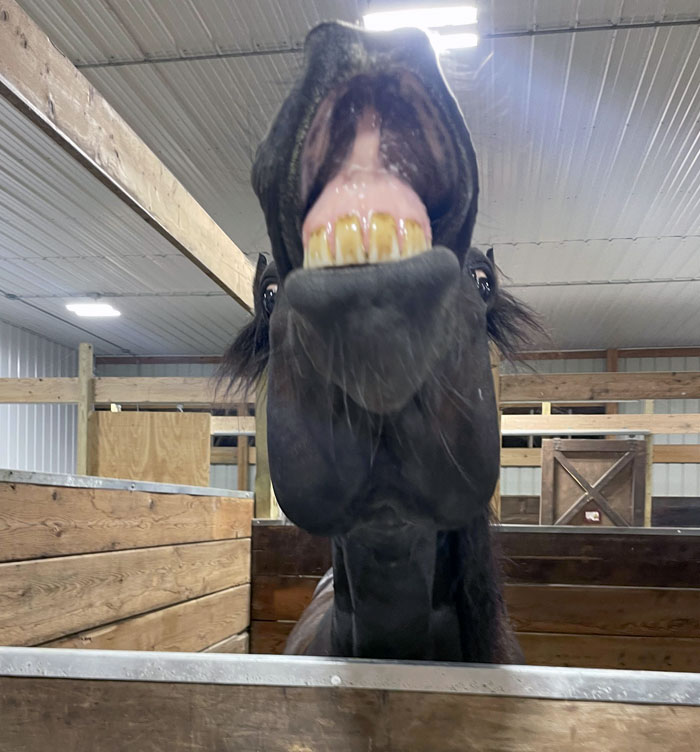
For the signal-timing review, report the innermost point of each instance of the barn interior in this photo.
(136, 507)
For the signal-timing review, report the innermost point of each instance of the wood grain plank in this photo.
(60, 714)
(595, 609)
(569, 425)
(269, 637)
(239, 643)
(605, 651)
(190, 626)
(48, 598)
(43, 85)
(661, 453)
(170, 447)
(276, 598)
(557, 387)
(42, 521)
(289, 550)
(43, 390)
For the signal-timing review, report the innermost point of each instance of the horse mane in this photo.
(245, 360)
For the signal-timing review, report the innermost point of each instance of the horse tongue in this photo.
(366, 213)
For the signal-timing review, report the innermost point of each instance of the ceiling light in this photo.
(423, 18)
(445, 42)
(93, 309)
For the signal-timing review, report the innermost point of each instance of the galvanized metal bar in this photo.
(646, 687)
(91, 481)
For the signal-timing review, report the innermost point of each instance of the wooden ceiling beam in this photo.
(46, 87)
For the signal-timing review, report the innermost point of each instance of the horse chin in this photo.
(371, 330)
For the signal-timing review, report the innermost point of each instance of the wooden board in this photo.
(41, 521)
(60, 714)
(537, 556)
(237, 644)
(594, 609)
(232, 425)
(675, 511)
(557, 387)
(584, 425)
(278, 598)
(661, 453)
(289, 550)
(169, 447)
(44, 390)
(572, 609)
(190, 626)
(42, 83)
(269, 637)
(48, 598)
(605, 651)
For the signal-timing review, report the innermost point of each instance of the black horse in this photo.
(374, 324)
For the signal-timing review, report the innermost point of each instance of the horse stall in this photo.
(101, 563)
(591, 598)
(69, 700)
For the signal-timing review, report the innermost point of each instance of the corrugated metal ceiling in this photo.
(589, 146)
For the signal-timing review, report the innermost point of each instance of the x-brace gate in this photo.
(621, 503)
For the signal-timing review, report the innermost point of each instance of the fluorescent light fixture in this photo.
(445, 42)
(96, 310)
(423, 18)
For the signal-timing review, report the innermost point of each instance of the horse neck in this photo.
(414, 593)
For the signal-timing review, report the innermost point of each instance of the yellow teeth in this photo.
(414, 239)
(349, 248)
(318, 252)
(385, 242)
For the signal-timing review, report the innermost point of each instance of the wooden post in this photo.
(649, 479)
(85, 404)
(243, 444)
(265, 502)
(546, 408)
(495, 374)
(611, 359)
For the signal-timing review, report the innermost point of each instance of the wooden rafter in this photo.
(47, 88)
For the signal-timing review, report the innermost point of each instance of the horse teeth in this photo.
(349, 248)
(318, 252)
(414, 241)
(378, 240)
(383, 239)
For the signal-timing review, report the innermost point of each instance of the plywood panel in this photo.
(40, 521)
(164, 447)
(48, 598)
(60, 714)
(605, 651)
(190, 626)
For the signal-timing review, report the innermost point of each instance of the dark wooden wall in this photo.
(600, 600)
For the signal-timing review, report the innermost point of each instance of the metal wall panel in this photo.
(36, 437)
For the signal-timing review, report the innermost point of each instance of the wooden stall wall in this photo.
(121, 569)
(170, 447)
(594, 600)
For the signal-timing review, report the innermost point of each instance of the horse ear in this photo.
(489, 256)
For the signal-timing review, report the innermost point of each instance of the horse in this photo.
(373, 324)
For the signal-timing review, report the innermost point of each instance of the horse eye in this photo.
(483, 283)
(268, 297)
